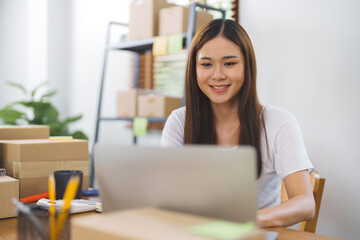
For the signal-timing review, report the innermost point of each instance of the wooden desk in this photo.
(8, 230)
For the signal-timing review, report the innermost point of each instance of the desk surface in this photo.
(8, 230)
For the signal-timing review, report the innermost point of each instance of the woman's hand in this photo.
(299, 207)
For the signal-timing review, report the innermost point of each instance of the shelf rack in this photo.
(138, 46)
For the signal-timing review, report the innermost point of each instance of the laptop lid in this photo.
(203, 180)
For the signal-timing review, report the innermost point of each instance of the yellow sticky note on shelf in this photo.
(160, 46)
(175, 43)
(140, 126)
(223, 230)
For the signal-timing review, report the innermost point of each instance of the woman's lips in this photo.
(220, 88)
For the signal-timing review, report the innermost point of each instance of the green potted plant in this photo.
(42, 112)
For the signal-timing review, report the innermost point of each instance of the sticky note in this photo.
(160, 46)
(175, 43)
(140, 126)
(7, 126)
(61, 138)
(223, 230)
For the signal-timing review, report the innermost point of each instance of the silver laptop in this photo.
(202, 180)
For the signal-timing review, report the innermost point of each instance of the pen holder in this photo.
(28, 230)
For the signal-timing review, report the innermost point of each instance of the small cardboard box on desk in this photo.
(10, 132)
(9, 188)
(147, 223)
(31, 161)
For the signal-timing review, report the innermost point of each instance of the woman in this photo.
(222, 108)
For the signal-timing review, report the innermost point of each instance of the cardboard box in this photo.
(144, 18)
(24, 132)
(126, 103)
(175, 20)
(145, 223)
(9, 188)
(31, 161)
(157, 105)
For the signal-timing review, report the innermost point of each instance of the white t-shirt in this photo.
(287, 153)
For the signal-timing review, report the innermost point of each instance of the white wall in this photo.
(13, 48)
(308, 57)
(23, 46)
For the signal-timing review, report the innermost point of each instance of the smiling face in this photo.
(220, 70)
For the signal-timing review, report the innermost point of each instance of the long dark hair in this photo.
(199, 118)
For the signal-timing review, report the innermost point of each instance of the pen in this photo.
(33, 219)
(69, 195)
(34, 198)
(52, 210)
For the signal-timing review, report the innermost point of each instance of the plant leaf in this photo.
(17, 85)
(73, 119)
(79, 135)
(9, 116)
(37, 88)
(44, 112)
(47, 95)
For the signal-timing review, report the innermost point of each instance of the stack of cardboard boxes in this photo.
(134, 102)
(29, 157)
(151, 18)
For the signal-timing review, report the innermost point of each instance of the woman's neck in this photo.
(225, 114)
(227, 124)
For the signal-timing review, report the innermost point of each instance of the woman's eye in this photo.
(228, 64)
(206, 64)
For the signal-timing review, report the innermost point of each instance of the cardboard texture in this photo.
(145, 223)
(24, 132)
(175, 19)
(31, 161)
(157, 105)
(126, 103)
(9, 188)
(144, 18)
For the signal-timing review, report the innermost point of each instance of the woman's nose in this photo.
(218, 74)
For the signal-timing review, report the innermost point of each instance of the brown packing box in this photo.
(31, 161)
(9, 188)
(144, 18)
(24, 132)
(174, 20)
(157, 105)
(126, 103)
(145, 223)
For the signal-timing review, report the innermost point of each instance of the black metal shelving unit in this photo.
(137, 46)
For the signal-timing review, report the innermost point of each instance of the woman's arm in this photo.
(299, 207)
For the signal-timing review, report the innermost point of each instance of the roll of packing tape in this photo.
(2, 171)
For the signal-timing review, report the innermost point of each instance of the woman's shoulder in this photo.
(178, 113)
(276, 114)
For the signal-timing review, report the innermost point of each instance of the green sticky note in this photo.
(7, 126)
(223, 230)
(175, 43)
(140, 126)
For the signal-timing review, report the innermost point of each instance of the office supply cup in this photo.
(35, 225)
(62, 178)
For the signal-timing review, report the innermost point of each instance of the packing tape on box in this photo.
(2, 171)
(44, 168)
